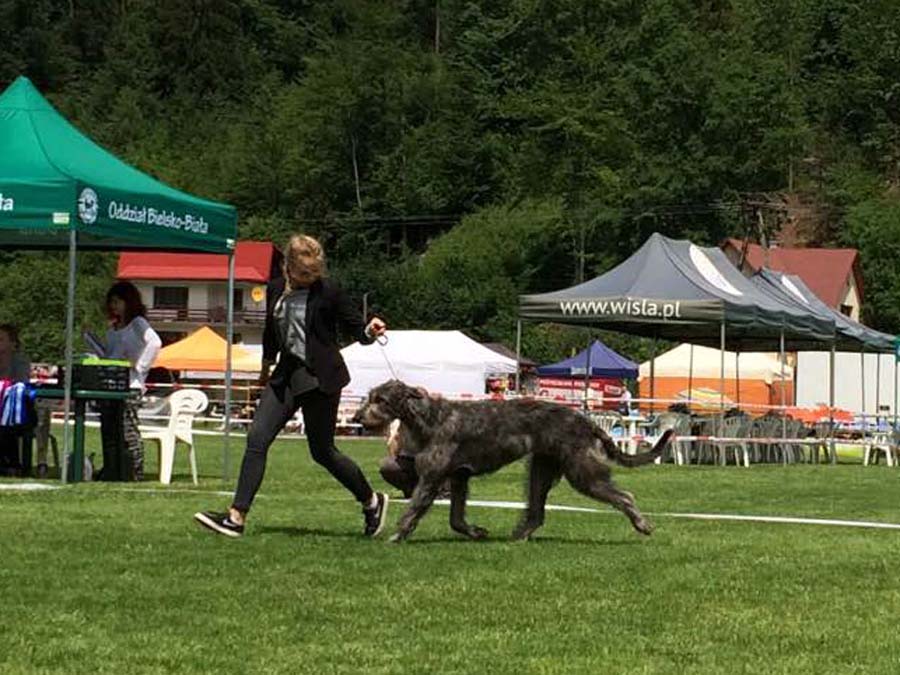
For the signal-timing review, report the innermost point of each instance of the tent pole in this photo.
(78, 467)
(895, 389)
(229, 337)
(877, 390)
(737, 376)
(652, 373)
(691, 377)
(587, 374)
(722, 382)
(831, 404)
(783, 410)
(862, 387)
(518, 355)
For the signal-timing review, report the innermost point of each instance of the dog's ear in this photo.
(415, 400)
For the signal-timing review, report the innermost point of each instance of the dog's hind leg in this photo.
(543, 471)
(593, 479)
(459, 491)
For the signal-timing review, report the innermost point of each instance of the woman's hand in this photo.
(376, 327)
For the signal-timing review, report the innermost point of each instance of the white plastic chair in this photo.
(184, 404)
(734, 428)
(882, 442)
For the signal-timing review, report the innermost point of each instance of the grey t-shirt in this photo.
(290, 317)
(290, 313)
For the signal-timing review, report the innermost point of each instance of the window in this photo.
(847, 310)
(238, 299)
(170, 297)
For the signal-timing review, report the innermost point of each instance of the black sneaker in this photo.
(377, 516)
(219, 522)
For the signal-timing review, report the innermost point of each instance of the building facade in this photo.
(184, 291)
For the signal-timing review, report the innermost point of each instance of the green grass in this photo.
(118, 579)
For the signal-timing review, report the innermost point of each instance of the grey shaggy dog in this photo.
(456, 440)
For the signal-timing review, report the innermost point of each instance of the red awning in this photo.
(253, 262)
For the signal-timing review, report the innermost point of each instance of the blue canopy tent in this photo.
(597, 361)
(600, 359)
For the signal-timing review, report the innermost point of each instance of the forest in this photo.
(454, 154)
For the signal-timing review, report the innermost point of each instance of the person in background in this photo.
(14, 367)
(303, 313)
(625, 401)
(129, 337)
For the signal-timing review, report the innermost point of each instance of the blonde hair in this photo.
(307, 253)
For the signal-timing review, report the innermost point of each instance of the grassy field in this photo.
(117, 578)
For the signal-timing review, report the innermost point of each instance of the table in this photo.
(80, 397)
(633, 422)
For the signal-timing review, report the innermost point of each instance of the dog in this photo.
(457, 440)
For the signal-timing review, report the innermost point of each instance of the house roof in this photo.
(825, 270)
(253, 262)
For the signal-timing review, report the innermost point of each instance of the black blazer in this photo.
(328, 310)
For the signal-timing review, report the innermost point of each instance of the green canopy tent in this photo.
(60, 190)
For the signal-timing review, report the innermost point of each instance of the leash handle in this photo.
(382, 343)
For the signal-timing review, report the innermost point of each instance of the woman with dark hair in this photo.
(131, 338)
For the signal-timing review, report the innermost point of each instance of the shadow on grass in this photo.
(497, 540)
(294, 531)
(509, 541)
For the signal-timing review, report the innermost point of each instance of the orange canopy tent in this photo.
(204, 350)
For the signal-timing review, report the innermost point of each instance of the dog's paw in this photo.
(476, 533)
(396, 538)
(522, 534)
(643, 526)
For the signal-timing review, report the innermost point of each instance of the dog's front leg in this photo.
(459, 491)
(425, 493)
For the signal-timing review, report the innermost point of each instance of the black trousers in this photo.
(123, 449)
(277, 406)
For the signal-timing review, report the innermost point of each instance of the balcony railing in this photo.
(212, 315)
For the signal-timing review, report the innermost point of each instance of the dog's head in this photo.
(387, 402)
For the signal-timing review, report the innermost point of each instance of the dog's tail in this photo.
(624, 459)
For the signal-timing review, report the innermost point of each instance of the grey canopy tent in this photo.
(59, 190)
(850, 334)
(675, 290)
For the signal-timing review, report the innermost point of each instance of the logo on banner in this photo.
(709, 271)
(88, 206)
(7, 203)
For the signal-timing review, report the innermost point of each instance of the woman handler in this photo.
(303, 313)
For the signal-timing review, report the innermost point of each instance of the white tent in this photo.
(445, 362)
(707, 364)
(675, 379)
(812, 380)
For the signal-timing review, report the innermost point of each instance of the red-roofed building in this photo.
(833, 274)
(184, 291)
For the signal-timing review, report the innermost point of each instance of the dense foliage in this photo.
(455, 153)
